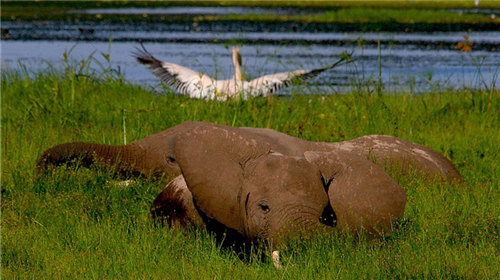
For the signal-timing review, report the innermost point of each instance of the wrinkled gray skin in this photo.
(380, 149)
(237, 179)
(259, 182)
(155, 155)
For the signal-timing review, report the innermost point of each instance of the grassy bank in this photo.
(81, 223)
(364, 15)
(326, 12)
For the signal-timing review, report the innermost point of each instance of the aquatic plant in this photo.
(465, 46)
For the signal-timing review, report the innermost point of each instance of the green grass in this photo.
(81, 223)
(340, 12)
(365, 15)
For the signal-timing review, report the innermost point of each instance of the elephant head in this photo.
(238, 181)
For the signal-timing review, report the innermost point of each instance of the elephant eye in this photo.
(171, 159)
(264, 207)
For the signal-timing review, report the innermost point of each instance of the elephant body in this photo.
(155, 155)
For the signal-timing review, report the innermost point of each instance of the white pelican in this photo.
(199, 85)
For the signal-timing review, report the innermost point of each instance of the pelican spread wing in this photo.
(182, 79)
(271, 83)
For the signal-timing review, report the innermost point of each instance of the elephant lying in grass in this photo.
(260, 184)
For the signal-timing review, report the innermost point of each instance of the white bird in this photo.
(199, 85)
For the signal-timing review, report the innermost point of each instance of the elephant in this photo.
(258, 183)
(155, 156)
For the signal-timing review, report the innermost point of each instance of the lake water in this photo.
(415, 61)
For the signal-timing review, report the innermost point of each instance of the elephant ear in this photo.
(211, 158)
(362, 195)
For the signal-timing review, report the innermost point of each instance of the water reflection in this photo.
(401, 67)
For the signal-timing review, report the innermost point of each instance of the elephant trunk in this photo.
(123, 159)
(301, 227)
(299, 233)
